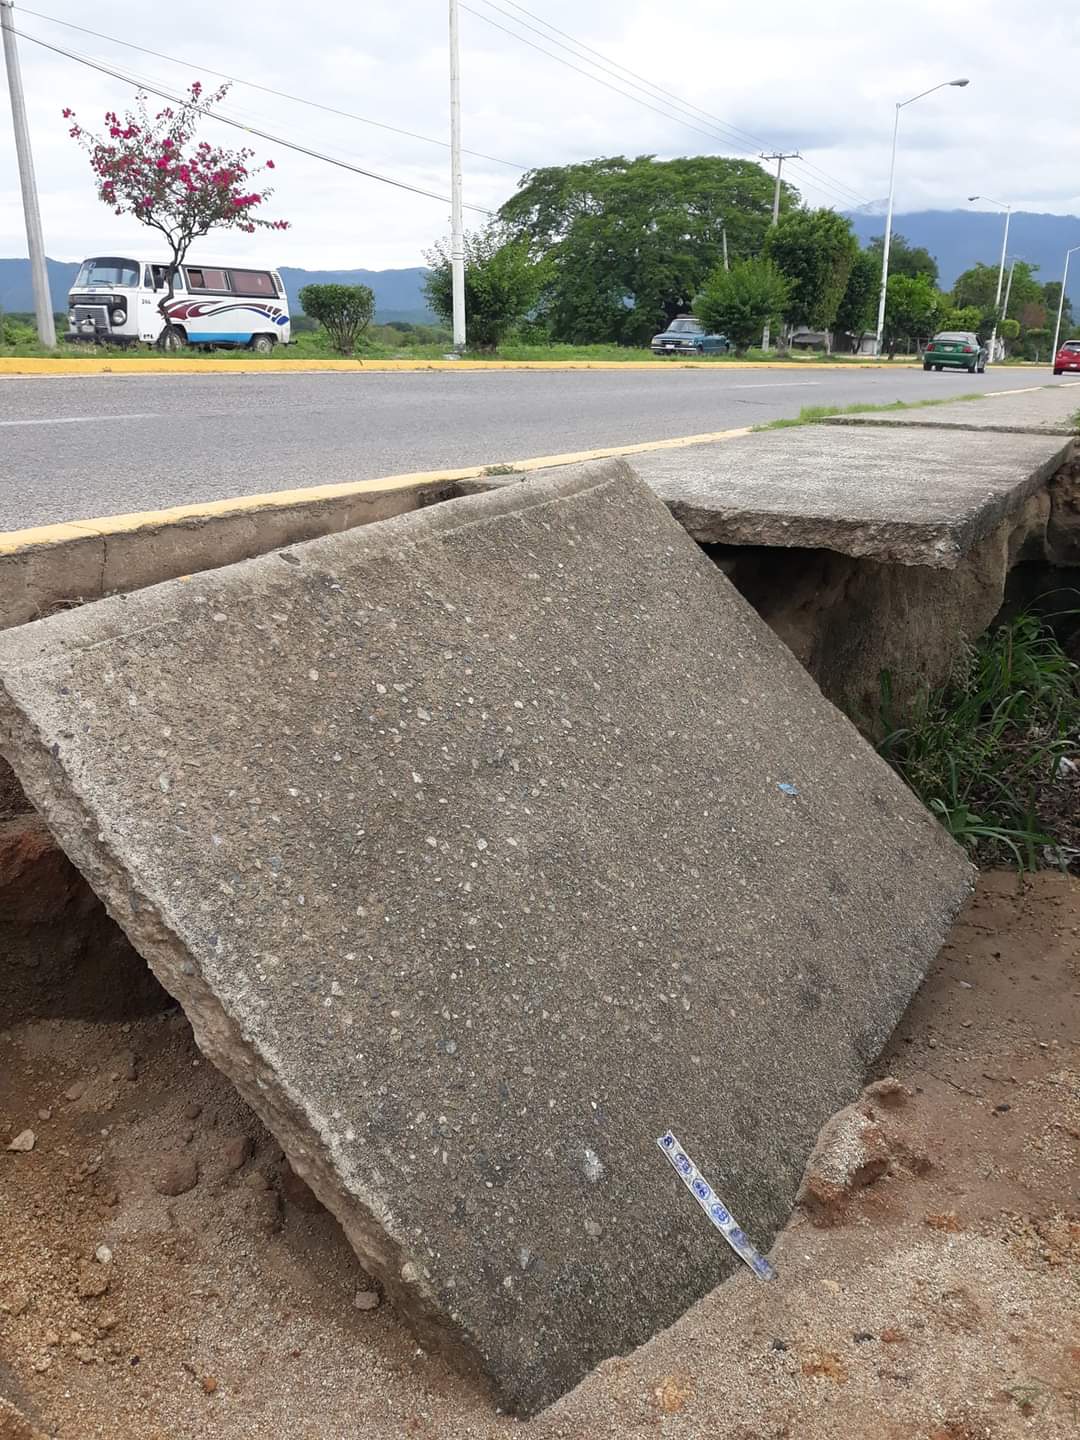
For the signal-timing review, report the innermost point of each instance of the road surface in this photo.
(74, 448)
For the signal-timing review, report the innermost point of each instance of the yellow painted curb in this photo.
(12, 541)
(40, 365)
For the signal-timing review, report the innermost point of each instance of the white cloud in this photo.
(823, 78)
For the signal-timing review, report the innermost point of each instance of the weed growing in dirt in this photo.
(990, 754)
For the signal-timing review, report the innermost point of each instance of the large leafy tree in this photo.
(150, 167)
(858, 308)
(905, 258)
(740, 302)
(913, 308)
(502, 285)
(630, 241)
(815, 249)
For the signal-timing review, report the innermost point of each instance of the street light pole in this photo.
(1061, 302)
(457, 223)
(900, 105)
(35, 242)
(1001, 267)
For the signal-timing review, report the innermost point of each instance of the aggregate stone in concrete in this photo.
(918, 497)
(1049, 410)
(482, 846)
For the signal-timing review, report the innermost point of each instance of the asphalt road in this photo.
(73, 448)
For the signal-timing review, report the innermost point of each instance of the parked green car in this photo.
(687, 336)
(955, 350)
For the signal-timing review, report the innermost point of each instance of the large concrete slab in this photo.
(915, 498)
(1049, 410)
(461, 839)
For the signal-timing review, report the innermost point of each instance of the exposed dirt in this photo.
(934, 1296)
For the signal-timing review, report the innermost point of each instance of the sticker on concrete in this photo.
(714, 1207)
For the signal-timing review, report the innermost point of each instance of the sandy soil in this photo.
(942, 1303)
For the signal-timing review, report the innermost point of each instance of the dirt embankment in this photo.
(162, 1275)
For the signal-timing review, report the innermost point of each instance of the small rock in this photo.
(44, 1114)
(25, 1140)
(209, 1384)
(107, 1320)
(366, 1300)
(851, 1153)
(93, 1280)
(103, 1255)
(594, 1228)
(176, 1175)
(51, 1337)
(932, 1043)
(862, 1336)
(779, 1345)
(192, 1111)
(43, 1364)
(889, 1093)
(86, 1355)
(76, 1091)
(237, 1153)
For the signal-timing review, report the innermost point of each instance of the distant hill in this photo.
(958, 238)
(398, 293)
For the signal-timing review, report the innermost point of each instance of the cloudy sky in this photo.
(821, 78)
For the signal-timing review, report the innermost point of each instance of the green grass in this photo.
(314, 345)
(810, 413)
(983, 752)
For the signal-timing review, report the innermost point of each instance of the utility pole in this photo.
(35, 243)
(457, 224)
(779, 158)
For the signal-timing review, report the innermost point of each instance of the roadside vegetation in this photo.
(995, 754)
(810, 413)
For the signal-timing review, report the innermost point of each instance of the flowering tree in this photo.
(150, 167)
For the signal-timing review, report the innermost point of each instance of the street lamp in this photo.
(900, 105)
(989, 199)
(1061, 301)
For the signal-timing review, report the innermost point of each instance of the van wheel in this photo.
(262, 344)
(171, 339)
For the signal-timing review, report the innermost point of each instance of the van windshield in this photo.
(108, 270)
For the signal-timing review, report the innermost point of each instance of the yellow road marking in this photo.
(14, 365)
(15, 540)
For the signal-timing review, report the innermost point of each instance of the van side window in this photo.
(253, 282)
(161, 278)
(148, 283)
(201, 278)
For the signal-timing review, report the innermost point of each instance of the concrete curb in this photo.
(31, 365)
(50, 566)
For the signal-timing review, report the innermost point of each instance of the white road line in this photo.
(777, 384)
(79, 419)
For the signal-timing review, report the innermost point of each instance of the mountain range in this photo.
(398, 293)
(957, 238)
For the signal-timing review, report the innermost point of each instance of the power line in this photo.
(738, 139)
(239, 125)
(267, 89)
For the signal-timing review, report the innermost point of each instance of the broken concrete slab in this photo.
(1047, 410)
(482, 846)
(924, 497)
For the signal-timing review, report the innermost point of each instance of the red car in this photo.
(1068, 357)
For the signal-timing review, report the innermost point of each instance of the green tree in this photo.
(630, 241)
(740, 302)
(905, 258)
(344, 312)
(978, 286)
(858, 308)
(816, 250)
(960, 317)
(1051, 294)
(912, 309)
(502, 285)
(1009, 330)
